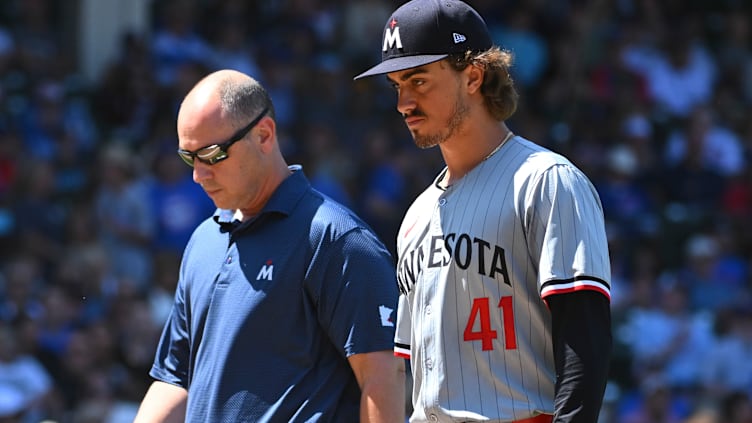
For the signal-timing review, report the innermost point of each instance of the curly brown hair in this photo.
(498, 90)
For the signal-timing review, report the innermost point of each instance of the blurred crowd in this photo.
(652, 99)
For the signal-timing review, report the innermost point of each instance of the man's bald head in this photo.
(227, 95)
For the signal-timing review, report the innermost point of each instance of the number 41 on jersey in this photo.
(486, 334)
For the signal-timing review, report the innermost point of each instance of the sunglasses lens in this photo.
(221, 155)
(210, 154)
(187, 158)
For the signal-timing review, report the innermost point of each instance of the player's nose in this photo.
(201, 172)
(405, 103)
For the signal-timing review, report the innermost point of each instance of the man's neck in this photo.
(461, 155)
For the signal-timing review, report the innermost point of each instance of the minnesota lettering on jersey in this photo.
(460, 249)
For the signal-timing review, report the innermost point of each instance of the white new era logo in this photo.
(458, 38)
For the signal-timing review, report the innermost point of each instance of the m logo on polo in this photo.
(266, 272)
(392, 36)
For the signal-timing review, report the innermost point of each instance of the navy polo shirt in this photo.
(266, 312)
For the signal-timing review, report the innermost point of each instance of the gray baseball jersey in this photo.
(475, 264)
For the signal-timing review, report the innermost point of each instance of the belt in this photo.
(540, 418)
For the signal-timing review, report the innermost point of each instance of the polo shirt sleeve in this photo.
(357, 293)
(171, 359)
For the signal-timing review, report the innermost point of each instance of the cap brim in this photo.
(401, 63)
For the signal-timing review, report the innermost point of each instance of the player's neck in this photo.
(462, 154)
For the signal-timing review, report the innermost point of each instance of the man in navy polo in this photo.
(284, 309)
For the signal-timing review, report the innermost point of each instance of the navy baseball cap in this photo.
(425, 31)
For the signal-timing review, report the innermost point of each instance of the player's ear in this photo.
(474, 75)
(266, 133)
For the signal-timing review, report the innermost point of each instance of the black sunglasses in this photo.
(212, 154)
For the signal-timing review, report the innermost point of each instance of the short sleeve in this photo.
(171, 359)
(357, 296)
(403, 331)
(568, 233)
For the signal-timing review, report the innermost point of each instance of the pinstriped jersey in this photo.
(475, 263)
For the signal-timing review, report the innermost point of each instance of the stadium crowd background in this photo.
(652, 99)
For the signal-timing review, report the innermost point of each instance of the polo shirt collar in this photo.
(283, 200)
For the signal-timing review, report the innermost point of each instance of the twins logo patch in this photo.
(386, 315)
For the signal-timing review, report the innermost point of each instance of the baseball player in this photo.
(503, 263)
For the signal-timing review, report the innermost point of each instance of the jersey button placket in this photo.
(224, 276)
(431, 325)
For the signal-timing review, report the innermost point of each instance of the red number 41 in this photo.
(481, 311)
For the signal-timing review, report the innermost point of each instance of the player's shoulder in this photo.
(537, 156)
(533, 160)
(329, 211)
(335, 220)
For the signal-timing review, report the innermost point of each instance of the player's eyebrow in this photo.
(407, 75)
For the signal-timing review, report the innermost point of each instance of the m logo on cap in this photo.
(458, 38)
(392, 36)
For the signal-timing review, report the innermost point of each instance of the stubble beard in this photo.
(425, 141)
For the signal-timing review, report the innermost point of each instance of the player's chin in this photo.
(219, 201)
(424, 141)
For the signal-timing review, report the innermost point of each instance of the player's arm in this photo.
(582, 350)
(381, 377)
(163, 403)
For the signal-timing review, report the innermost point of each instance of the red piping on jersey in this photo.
(540, 418)
(577, 288)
